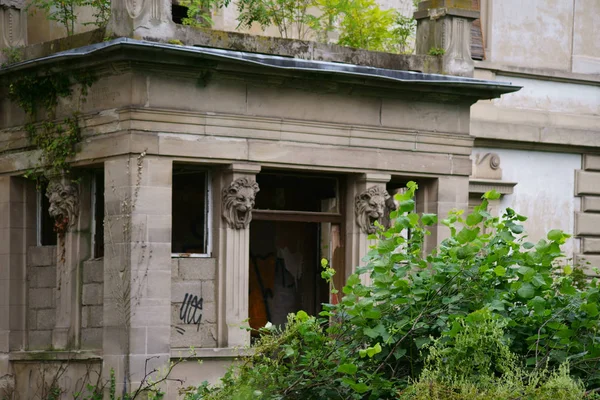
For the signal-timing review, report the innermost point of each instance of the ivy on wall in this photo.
(39, 95)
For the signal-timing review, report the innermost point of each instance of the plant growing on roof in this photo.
(199, 12)
(65, 11)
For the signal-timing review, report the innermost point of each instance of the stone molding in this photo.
(587, 222)
(480, 186)
(146, 18)
(64, 202)
(238, 202)
(370, 206)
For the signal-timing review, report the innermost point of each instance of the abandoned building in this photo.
(216, 168)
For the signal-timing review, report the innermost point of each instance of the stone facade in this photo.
(230, 121)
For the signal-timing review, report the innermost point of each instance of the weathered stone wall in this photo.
(92, 310)
(41, 296)
(193, 303)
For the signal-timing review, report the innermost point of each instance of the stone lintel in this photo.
(374, 178)
(443, 12)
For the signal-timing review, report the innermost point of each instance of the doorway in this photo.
(296, 223)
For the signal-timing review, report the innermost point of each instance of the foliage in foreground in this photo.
(485, 315)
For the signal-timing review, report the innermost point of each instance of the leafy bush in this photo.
(65, 11)
(375, 342)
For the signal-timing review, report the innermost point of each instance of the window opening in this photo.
(190, 211)
(45, 227)
(98, 210)
(296, 223)
(178, 12)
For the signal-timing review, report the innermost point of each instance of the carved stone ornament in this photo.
(487, 166)
(63, 196)
(370, 206)
(13, 23)
(238, 202)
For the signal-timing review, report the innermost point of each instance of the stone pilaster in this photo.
(452, 193)
(446, 25)
(70, 204)
(142, 19)
(357, 242)
(13, 23)
(17, 233)
(137, 267)
(234, 252)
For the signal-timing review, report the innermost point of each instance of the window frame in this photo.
(208, 226)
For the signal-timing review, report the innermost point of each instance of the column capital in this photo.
(243, 168)
(373, 177)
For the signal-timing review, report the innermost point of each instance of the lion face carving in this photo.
(370, 206)
(238, 202)
(64, 202)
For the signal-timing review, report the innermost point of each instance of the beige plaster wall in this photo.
(544, 192)
(544, 34)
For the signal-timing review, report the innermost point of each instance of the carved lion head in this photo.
(370, 207)
(238, 202)
(63, 197)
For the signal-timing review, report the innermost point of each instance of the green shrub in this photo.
(374, 343)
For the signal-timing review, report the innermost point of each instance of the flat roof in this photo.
(272, 61)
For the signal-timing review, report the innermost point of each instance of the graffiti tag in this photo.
(191, 311)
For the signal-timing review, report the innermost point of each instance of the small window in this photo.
(45, 227)
(190, 212)
(98, 210)
(178, 12)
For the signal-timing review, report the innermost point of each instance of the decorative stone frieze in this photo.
(64, 203)
(13, 23)
(238, 202)
(370, 206)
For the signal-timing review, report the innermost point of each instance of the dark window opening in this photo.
(179, 13)
(297, 193)
(98, 214)
(297, 222)
(47, 235)
(190, 210)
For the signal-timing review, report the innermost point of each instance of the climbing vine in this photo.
(39, 96)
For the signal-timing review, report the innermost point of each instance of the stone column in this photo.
(13, 24)
(142, 19)
(364, 191)
(137, 267)
(446, 25)
(17, 233)
(234, 201)
(70, 205)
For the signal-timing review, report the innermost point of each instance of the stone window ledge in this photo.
(224, 352)
(55, 355)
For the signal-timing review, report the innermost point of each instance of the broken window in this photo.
(45, 223)
(190, 202)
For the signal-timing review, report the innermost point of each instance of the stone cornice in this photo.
(480, 186)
